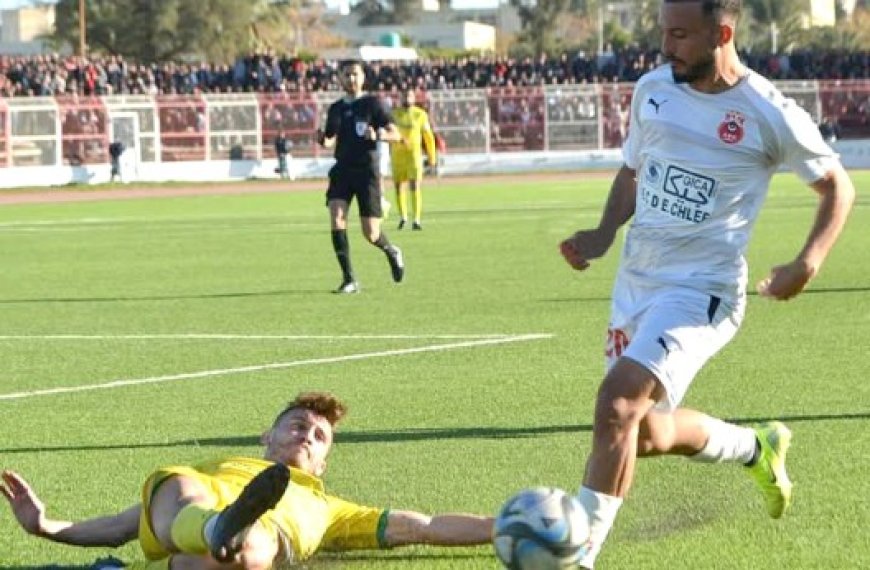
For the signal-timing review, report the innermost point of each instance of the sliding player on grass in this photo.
(242, 512)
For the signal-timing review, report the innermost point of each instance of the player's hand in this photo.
(786, 281)
(431, 170)
(26, 506)
(584, 246)
(371, 133)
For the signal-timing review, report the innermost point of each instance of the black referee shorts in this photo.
(362, 184)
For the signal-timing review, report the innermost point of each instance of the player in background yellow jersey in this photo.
(407, 156)
(242, 512)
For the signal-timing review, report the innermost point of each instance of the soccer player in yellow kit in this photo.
(407, 155)
(242, 512)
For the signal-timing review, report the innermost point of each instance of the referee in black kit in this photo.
(354, 124)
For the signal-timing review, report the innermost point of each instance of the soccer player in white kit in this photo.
(706, 135)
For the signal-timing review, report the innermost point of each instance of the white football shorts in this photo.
(670, 331)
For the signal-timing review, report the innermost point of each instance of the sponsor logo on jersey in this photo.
(689, 186)
(654, 171)
(361, 127)
(676, 192)
(731, 129)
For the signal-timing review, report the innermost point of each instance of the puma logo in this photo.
(664, 345)
(656, 104)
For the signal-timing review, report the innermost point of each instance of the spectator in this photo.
(830, 130)
(116, 149)
(282, 151)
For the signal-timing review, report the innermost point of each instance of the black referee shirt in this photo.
(349, 120)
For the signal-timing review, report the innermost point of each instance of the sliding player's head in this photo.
(302, 434)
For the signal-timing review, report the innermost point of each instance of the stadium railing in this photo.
(73, 130)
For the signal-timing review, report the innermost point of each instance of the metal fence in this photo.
(74, 130)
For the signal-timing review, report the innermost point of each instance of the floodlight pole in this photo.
(82, 28)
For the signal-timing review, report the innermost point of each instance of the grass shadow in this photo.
(416, 434)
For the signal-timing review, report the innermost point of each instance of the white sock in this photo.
(727, 442)
(602, 511)
(208, 529)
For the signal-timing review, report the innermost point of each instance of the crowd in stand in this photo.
(52, 75)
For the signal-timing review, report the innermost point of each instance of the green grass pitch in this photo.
(473, 379)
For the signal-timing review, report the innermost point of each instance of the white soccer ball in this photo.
(541, 529)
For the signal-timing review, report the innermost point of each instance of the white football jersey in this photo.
(703, 164)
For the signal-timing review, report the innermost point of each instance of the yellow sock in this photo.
(402, 203)
(187, 530)
(162, 564)
(417, 198)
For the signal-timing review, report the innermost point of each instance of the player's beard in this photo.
(698, 70)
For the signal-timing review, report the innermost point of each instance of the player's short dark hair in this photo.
(715, 9)
(352, 62)
(321, 403)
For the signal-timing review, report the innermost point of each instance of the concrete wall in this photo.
(854, 154)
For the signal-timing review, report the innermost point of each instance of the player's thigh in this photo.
(340, 187)
(368, 195)
(170, 494)
(676, 333)
(338, 213)
(414, 170)
(400, 173)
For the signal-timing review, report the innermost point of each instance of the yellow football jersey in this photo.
(413, 125)
(306, 515)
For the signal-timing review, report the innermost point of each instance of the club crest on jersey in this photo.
(731, 129)
(361, 127)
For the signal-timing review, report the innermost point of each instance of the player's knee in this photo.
(616, 416)
(169, 499)
(655, 435)
(259, 549)
(371, 235)
(618, 409)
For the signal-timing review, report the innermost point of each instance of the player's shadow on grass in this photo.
(229, 295)
(418, 434)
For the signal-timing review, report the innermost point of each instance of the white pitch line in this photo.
(272, 366)
(198, 336)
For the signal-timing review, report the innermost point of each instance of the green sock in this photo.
(187, 530)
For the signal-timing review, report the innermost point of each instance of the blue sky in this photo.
(12, 4)
(459, 4)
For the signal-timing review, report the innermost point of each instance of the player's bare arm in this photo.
(30, 512)
(408, 527)
(586, 245)
(836, 196)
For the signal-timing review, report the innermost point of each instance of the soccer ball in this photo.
(541, 529)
